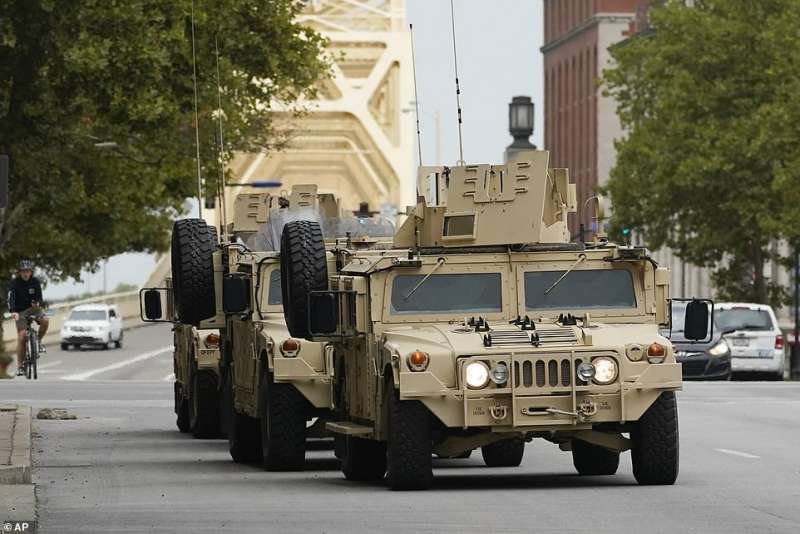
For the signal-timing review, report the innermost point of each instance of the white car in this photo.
(752, 332)
(92, 324)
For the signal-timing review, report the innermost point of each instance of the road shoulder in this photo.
(17, 493)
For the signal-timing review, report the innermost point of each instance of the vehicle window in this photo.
(743, 319)
(275, 297)
(584, 289)
(445, 293)
(87, 315)
(112, 313)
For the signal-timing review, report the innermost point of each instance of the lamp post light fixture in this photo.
(520, 125)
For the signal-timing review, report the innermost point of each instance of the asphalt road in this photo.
(123, 467)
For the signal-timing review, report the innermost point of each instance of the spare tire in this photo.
(193, 244)
(304, 269)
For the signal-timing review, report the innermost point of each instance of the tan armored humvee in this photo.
(485, 327)
(275, 383)
(186, 299)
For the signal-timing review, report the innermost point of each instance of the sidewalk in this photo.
(17, 497)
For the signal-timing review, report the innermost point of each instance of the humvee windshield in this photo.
(583, 289)
(445, 293)
(275, 297)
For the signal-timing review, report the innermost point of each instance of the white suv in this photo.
(92, 324)
(754, 337)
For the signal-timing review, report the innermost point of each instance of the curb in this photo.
(17, 446)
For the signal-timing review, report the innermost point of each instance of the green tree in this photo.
(710, 163)
(96, 112)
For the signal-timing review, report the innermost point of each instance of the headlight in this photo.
(101, 328)
(719, 349)
(499, 373)
(476, 375)
(586, 371)
(605, 370)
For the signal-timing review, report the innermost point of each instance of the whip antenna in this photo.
(416, 95)
(221, 185)
(196, 125)
(458, 90)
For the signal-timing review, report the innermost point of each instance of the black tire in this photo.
(204, 405)
(193, 244)
(118, 343)
(181, 409)
(505, 453)
(592, 460)
(65, 346)
(409, 447)
(363, 459)
(655, 443)
(304, 269)
(244, 437)
(107, 344)
(283, 426)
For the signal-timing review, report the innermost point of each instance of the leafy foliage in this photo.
(710, 165)
(96, 108)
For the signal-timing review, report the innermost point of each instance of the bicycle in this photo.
(31, 350)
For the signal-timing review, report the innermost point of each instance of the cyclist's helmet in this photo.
(25, 265)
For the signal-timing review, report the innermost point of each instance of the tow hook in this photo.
(587, 408)
(498, 412)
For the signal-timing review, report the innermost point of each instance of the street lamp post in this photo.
(520, 125)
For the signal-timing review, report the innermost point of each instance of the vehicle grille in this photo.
(560, 334)
(510, 337)
(546, 334)
(543, 372)
(692, 368)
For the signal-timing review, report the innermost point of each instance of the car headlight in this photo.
(476, 375)
(605, 370)
(499, 373)
(719, 349)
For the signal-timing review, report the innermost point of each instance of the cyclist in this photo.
(25, 301)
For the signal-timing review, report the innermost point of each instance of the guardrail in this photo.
(127, 303)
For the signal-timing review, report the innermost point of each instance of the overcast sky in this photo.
(498, 57)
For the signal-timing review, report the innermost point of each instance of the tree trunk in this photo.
(759, 284)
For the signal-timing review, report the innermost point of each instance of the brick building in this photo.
(581, 124)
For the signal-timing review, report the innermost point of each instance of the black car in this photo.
(701, 361)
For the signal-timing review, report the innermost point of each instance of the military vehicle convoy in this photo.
(484, 326)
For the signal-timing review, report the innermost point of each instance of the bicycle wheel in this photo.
(35, 360)
(30, 357)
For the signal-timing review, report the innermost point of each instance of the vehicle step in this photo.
(348, 428)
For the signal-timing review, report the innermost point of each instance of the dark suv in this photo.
(702, 361)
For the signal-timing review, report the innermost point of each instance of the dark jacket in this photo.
(22, 294)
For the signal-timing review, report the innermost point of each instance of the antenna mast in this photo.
(416, 95)
(458, 90)
(196, 125)
(221, 185)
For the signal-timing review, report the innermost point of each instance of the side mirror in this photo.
(696, 320)
(236, 293)
(323, 311)
(151, 308)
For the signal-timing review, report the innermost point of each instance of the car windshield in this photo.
(87, 315)
(447, 293)
(582, 289)
(275, 297)
(743, 319)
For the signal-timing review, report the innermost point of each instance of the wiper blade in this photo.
(439, 263)
(581, 257)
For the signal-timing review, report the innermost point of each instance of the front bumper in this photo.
(701, 365)
(84, 339)
(542, 394)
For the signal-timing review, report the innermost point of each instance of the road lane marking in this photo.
(170, 377)
(737, 453)
(118, 365)
(48, 364)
